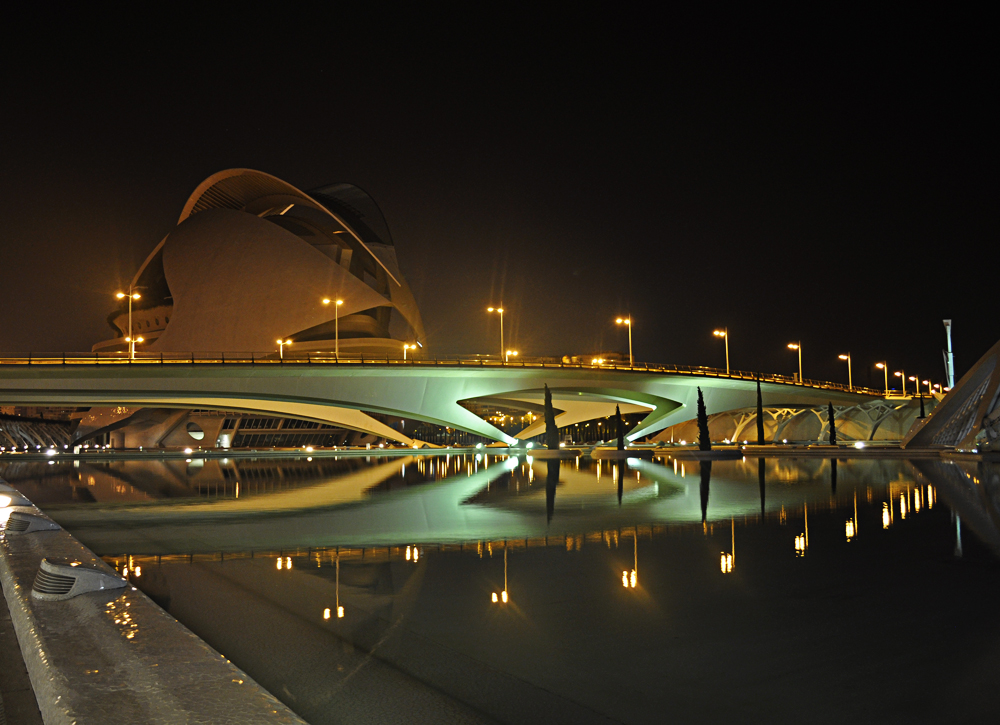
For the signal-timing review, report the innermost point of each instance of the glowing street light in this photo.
(281, 347)
(884, 367)
(499, 311)
(131, 345)
(507, 355)
(627, 321)
(336, 327)
(132, 295)
(850, 382)
(902, 376)
(408, 347)
(916, 379)
(797, 346)
(724, 333)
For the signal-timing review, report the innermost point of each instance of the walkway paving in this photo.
(17, 701)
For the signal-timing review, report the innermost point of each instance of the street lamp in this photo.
(507, 355)
(132, 295)
(797, 346)
(627, 321)
(724, 333)
(499, 310)
(850, 382)
(336, 328)
(408, 347)
(131, 346)
(902, 376)
(884, 366)
(281, 347)
(916, 379)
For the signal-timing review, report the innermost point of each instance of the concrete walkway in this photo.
(17, 700)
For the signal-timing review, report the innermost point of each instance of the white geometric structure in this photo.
(252, 259)
(969, 416)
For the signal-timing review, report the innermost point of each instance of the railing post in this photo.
(161, 358)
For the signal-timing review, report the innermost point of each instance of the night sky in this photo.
(834, 186)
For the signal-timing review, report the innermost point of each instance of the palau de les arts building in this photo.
(252, 259)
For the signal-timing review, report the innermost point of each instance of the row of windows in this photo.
(138, 325)
(270, 423)
(288, 441)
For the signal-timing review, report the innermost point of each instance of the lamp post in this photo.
(916, 380)
(850, 381)
(281, 347)
(131, 345)
(408, 347)
(336, 328)
(508, 353)
(132, 295)
(884, 367)
(797, 346)
(902, 376)
(724, 333)
(499, 310)
(627, 321)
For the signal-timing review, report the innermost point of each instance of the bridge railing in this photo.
(324, 358)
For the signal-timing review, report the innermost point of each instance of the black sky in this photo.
(828, 179)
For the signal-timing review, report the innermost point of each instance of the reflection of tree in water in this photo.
(551, 481)
(706, 479)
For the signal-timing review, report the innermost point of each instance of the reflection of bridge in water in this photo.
(433, 391)
(492, 498)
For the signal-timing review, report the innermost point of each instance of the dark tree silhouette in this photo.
(621, 428)
(704, 443)
(760, 415)
(833, 424)
(551, 430)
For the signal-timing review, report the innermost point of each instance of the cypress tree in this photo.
(760, 415)
(551, 430)
(621, 428)
(704, 443)
(833, 425)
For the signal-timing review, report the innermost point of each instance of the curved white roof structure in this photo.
(252, 258)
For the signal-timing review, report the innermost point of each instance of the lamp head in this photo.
(340, 302)
(326, 300)
(880, 366)
(793, 346)
(898, 374)
(719, 333)
(121, 295)
(844, 357)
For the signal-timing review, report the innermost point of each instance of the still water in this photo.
(485, 588)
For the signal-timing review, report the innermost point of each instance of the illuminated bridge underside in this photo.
(341, 395)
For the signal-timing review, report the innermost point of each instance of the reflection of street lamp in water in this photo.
(630, 579)
(802, 540)
(728, 561)
(503, 594)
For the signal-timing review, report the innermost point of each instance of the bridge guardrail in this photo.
(309, 358)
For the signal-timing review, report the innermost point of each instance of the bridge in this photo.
(321, 388)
